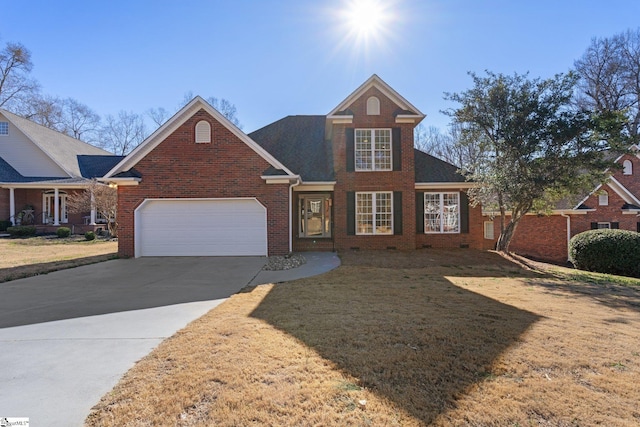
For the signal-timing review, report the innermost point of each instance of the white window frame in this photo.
(489, 230)
(4, 128)
(381, 222)
(440, 216)
(604, 226)
(373, 106)
(324, 201)
(627, 167)
(367, 150)
(603, 199)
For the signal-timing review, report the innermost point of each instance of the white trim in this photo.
(136, 216)
(618, 188)
(125, 182)
(568, 232)
(384, 88)
(178, 120)
(340, 119)
(408, 118)
(374, 212)
(444, 185)
(316, 186)
(441, 195)
(43, 185)
(372, 149)
(280, 179)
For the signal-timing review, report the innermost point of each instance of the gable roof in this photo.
(61, 148)
(176, 121)
(299, 143)
(96, 166)
(430, 169)
(388, 91)
(626, 195)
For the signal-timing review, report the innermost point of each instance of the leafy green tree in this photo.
(535, 148)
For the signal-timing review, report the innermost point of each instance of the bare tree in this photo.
(16, 84)
(158, 115)
(446, 146)
(101, 197)
(609, 74)
(79, 121)
(122, 134)
(43, 109)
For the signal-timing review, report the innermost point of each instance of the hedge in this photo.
(607, 251)
(22, 231)
(63, 232)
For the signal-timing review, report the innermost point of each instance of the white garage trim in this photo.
(190, 228)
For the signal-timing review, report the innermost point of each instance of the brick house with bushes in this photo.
(350, 179)
(615, 205)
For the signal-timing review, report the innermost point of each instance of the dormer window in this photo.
(203, 132)
(603, 199)
(627, 167)
(373, 106)
(4, 128)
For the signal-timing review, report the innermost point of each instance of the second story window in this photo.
(373, 150)
(4, 128)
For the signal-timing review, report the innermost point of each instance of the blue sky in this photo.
(277, 58)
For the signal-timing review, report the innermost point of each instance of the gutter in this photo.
(297, 182)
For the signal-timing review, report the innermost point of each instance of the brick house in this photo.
(39, 169)
(615, 204)
(351, 179)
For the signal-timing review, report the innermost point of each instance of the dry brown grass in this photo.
(39, 255)
(445, 338)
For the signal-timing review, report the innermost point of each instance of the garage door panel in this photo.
(222, 227)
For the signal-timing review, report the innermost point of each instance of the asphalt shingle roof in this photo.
(299, 143)
(92, 166)
(432, 169)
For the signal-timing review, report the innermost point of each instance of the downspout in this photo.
(296, 183)
(568, 232)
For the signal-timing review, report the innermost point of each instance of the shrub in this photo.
(607, 251)
(63, 232)
(4, 225)
(22, 231)
(90, 235)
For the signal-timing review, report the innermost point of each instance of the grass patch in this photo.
(398, 339)
(41, 255)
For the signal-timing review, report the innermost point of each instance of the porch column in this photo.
(93, 209)
(56, 207)
(12, 206)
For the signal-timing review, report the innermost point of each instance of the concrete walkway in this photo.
(66, 338)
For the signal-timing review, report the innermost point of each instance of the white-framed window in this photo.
(373, 106)
(373, 150)
(48, 211)
(315, 215)
(489, 230)
(441, 212)
(4, 128)
(627, 167)
(203, 132)
(603, 199)
(374, 213)
(604, 225)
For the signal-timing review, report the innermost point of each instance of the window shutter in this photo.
(397, 213)
(351, 213)
(638, 227)
(351, 150)
(396, 149)
(594, 225)
(420, 213)
(464, 212)
(615, 225)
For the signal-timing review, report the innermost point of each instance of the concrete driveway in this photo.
(66, 338)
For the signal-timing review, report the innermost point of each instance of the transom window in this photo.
(4, 128)
(441, 212)
(373, 150)
(374, 213)
(315, 215)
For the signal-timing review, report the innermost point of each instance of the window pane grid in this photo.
(373, 149)
(374, 213)
(4, 128)
(441, 212)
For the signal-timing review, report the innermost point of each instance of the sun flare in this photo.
(365, 17)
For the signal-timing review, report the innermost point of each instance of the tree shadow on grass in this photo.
(408, 335)
(30, 270)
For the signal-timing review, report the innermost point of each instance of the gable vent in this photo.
(203, 132)
(373, 106)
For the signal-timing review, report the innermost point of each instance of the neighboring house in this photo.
(39, 168)
(348, 180)
(615, 204)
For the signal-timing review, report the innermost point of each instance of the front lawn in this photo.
(40, 255)
(444, 338)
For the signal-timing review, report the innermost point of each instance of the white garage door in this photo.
(201, 227)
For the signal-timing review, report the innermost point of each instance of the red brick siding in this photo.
(4, 204)
(631, 182)
(225, 168)
(403, 180)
